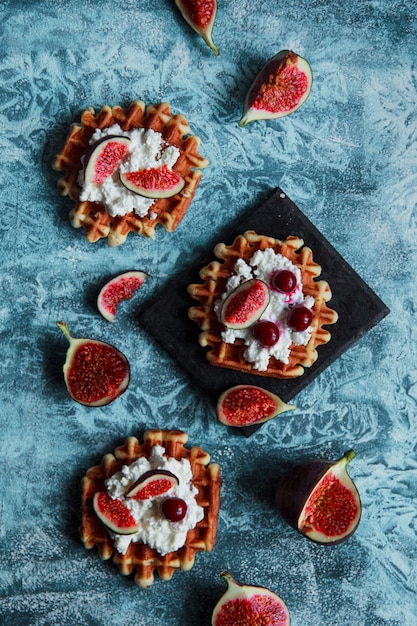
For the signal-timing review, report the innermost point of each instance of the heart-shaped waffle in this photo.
(167, 211)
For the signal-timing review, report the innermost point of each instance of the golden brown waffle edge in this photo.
(168, 212)
(140, 559)
(215, 276)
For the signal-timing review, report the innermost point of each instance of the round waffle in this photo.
(168, 211)
(140, 558)
(215, 276)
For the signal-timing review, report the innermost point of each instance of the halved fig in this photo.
(319, 499)
(247, 605)
(154, 182)
(120, 288)
(104, 157)
(246, 405)
(245, 304)
(151, 484)
(200, 15)
(114, 514)
(95, 372)
(280, 88)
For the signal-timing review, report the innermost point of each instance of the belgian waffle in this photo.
(169, 211)
(140, 558)
(215, 276)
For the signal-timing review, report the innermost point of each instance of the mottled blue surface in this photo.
(348, 159)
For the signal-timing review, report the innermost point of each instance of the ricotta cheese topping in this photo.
(154, 530)
(262, 265)
(147, 149)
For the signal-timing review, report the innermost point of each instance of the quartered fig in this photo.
(104, 157)
(154, 182)
(95, 372)
(246, 405)
(248, 605)
(319, 499)
(114, 514)
(280, 88)
(245, 304)
(120, 288)
(200, 15)
(151, 484)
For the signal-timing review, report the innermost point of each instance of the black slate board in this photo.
(359, 308)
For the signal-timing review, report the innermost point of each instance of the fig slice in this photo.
(245, 304)
(95, 372)
(247, 605)
(114, 514)
(119, 288)
(319, 499)
(104, 157)
(200, 15)
(280, 88)
(246, 405)
(154, 182)
(151, 484)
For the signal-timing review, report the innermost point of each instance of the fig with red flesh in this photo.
(246, 405)
(120, 288)
(151, 484)
(200, 15)
(114, 514)
(319, 499)
(248, 605)
(153, 183)
(104, 157)
(95, 372)
(245, 304)
(280, 88)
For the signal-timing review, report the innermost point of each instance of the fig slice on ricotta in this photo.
(151, 484)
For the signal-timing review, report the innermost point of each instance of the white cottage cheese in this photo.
(154, 530)
(147, 149)
(262, 265)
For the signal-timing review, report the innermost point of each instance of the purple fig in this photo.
(114, 514)
(245, 304)
(151, 484)
(104, 157)
(95, 372)
(247, 605)
(246, 405)
(155, 182)
(319, 499)
(280, 88)
(200, 15)
(120, 288)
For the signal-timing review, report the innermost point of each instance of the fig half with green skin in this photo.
(154, 182)
(200, 15)
(245, 304)
(120, 288)
(95, 372)
(104, 157)
(279, 89)
(246, 405)
(151, 484)
(247, 605)
(319, 499)
(114, 514)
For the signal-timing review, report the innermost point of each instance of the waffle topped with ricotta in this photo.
(231, 353)
(138, 558)
(97, 220)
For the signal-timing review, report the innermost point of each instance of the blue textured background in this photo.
(348, 159)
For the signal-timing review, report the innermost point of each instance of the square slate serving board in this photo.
(359, 308)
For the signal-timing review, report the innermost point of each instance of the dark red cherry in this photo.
(267, 333)
(284, 281)
(300, 318)
(174, 509)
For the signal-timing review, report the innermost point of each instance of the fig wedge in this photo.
(95, 372)
(245, 304)
(151, 484)
(114, 514)
(248, 605)
(246, 405)
(319, 499)
(104, 157)
(121, 287)
(154, 183)
(200, 15)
